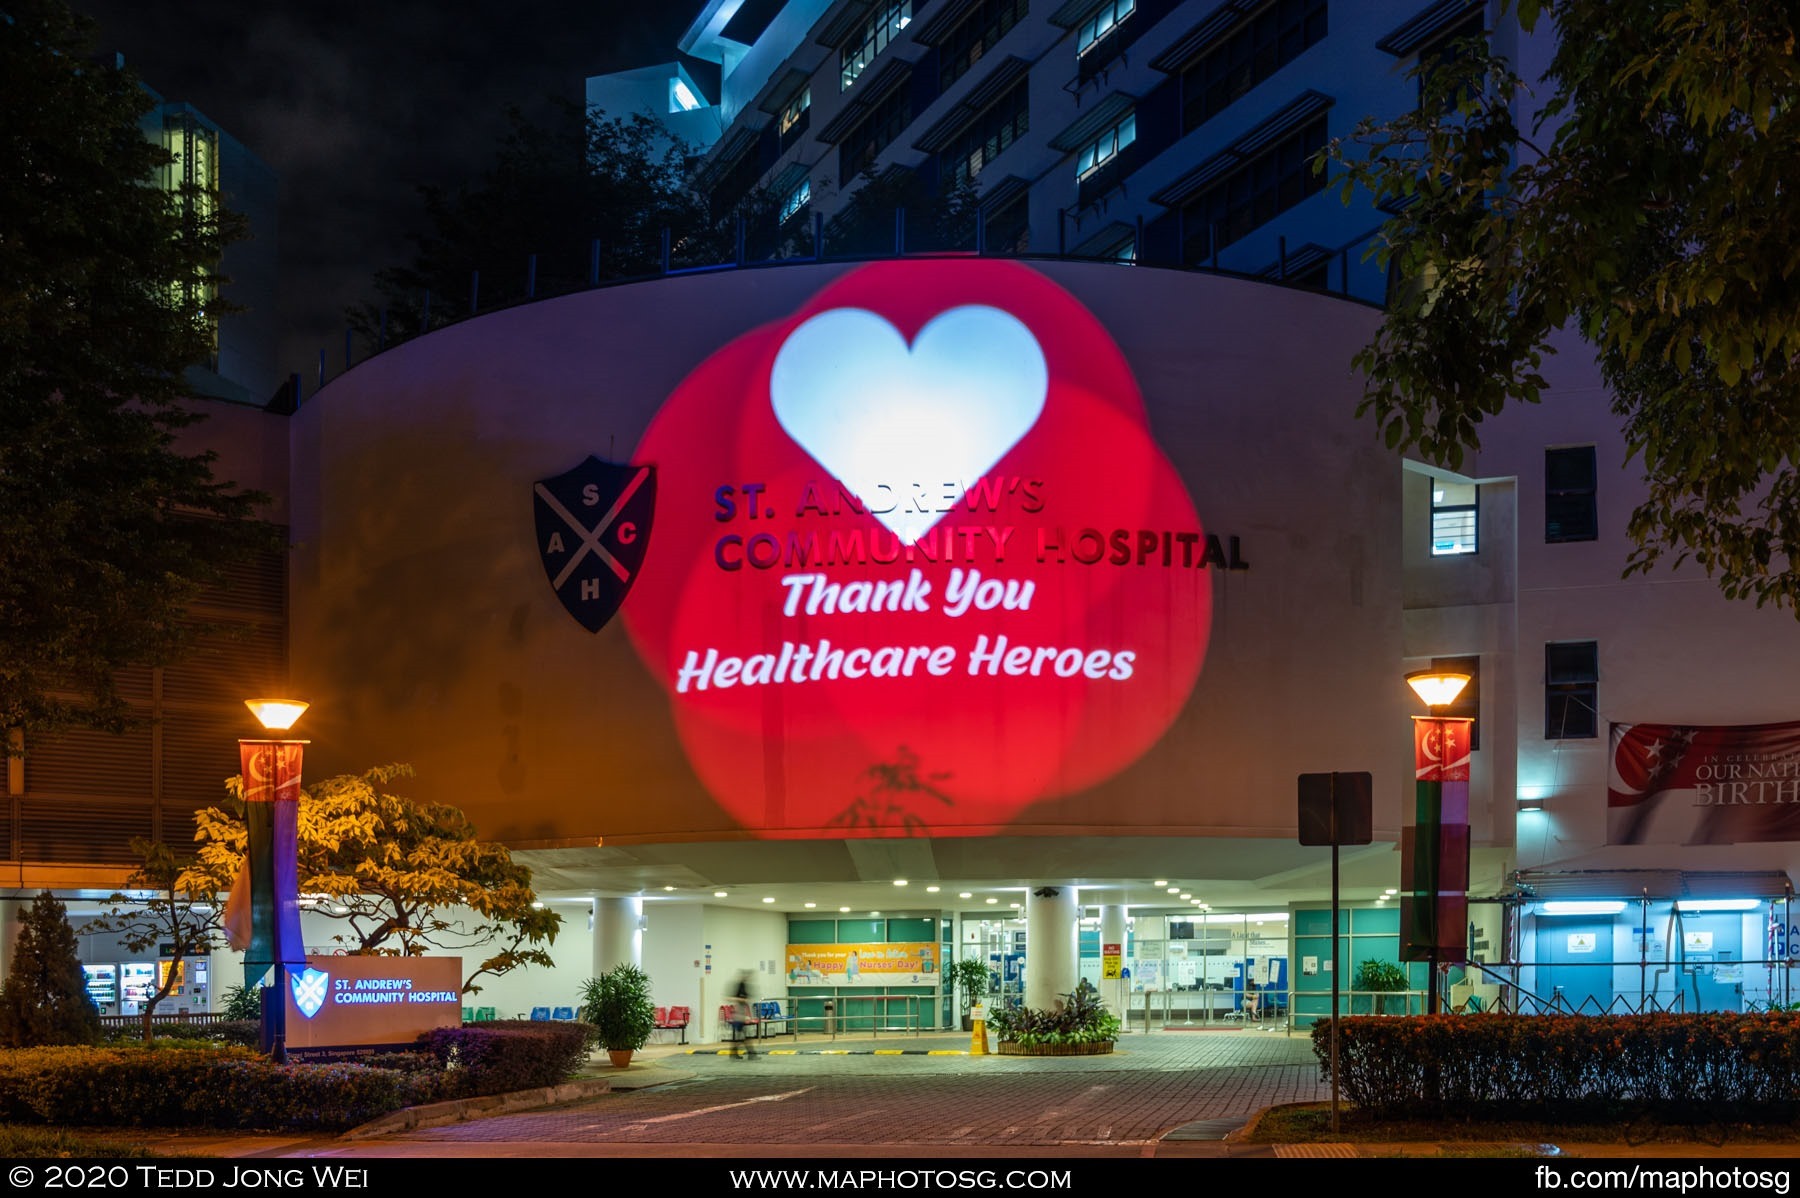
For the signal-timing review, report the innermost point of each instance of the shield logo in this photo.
(309, 990)
(593, 528)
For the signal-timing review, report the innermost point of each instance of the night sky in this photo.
(355, 105)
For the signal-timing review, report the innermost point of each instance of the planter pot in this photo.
(620, 1057)
(1012, 1048)
(968, 1022)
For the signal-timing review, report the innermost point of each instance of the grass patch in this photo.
(1304, 1123)
(55, 1143)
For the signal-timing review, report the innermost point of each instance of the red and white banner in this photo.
(1687, 784)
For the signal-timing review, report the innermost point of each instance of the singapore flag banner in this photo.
(1686, 784)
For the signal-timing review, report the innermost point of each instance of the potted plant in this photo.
(1081, 1026)
(971, 976)
(618, 1004)
(1382, 978)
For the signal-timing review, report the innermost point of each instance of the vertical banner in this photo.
(1434, 851)
(272, 819)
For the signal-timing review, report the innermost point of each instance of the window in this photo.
(975, 37)
(1102, 23)
(796, 199)
(881, 27)
(1570, 509)
(192, 173)
(1571, 690)
(1455, 511)
(1008, 228)
(1468, 703)
(794, 117)
(1253, 194)
(987, 137)
(1258, 48)
(1448, 48)
(1101, 150)
(884, 123)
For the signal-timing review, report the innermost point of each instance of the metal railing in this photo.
(879, 1017)
(173, 1019)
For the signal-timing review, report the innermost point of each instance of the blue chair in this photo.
(540, 1014)
(565, 1013)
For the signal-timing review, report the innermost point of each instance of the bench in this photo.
(769, 1015)
(673, 1019)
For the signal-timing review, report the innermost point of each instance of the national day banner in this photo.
(1693, 784)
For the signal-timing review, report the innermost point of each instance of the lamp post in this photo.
(271, 819)
(1434, 851)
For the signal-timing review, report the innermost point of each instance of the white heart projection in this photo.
(878, 414)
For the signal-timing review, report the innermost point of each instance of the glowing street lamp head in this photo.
(277, 715)
(1437, 687)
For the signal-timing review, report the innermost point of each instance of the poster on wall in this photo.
(873, 571)
(1695, 784)
(897, 964)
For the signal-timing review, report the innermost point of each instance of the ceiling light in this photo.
(1160, 882)
(1580, 907)
(1014, 906)
(1187, 894)
(995, 900)
(810, 906)
(931, 890)
(720, 893)
(1174, 889)
(1390, 890)
(537, 906)
(668, 888)
(899, 881)
(843, 910)
(874, 914)
(767, 899)
(965, 894)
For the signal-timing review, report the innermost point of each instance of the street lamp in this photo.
(1434, 850)
(271, 770)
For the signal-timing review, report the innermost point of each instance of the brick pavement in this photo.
(1153, 1085)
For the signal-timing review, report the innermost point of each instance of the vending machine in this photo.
(103, 987)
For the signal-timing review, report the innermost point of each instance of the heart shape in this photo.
(879, 414)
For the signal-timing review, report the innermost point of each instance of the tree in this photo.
(554, 187)
(935, 220)
(1650, 208)
(45, 998)
(178, 914)
(106, 531)
(396, 874)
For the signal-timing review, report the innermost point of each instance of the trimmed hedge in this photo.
(506, 1055)
(196, 1087)
(1700, 1068)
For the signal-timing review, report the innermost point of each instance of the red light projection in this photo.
(918, 561)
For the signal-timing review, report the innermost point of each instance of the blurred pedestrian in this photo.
(741, 1048)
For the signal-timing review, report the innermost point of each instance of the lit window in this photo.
(1454, 512)
(1102, 23)
(682, 97)
(880, 29)
(1104, 148)
(796, 200)
(795, 109)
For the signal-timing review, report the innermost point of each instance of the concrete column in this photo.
(1052, 925)
(1112, 931)
(618, 940)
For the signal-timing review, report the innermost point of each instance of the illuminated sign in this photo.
(885, 964)
(920, 561)
(593, 528)
(368, 1001)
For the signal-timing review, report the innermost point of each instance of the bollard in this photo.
(978, 1030)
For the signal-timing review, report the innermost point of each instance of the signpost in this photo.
(1336, 809)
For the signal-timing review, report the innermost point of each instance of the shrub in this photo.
(243, 1002)
(45, 999)
(1704, 1067)
(618, 1004)
(497, 1057)
(176, 1086)
(1082, 1019)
